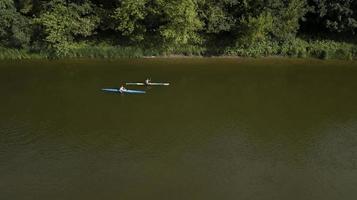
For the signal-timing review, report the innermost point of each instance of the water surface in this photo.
(224, 129)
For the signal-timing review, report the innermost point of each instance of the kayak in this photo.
(150, 84)
(140, 84)
(124, 91)
(159, 84)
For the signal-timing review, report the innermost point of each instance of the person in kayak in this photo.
(147, 81)
(122, 89)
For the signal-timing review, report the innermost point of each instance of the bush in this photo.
(257, 49)
(321, 49)
(344, 54)
(188, 50)
(18, 54)
(293, 48)
(326, 49)
(83, 50)
(354, 52)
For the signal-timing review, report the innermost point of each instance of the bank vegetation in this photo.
(137, 28)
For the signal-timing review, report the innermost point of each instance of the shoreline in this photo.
(18, 54)
(298, 48)
(169, 57)
(185, 59)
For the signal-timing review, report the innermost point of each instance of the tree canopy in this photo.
(55, 25)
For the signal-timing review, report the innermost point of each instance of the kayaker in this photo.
(147, 81)
(122, 89)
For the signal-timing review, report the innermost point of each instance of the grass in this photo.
(321, 49)
(103, 51)
(19, 54)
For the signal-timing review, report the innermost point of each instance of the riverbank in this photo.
(297, 48)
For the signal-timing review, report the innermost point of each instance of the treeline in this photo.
(115, 28)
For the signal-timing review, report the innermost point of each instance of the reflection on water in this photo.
(224, 129)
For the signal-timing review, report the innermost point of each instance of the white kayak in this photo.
(149, 84)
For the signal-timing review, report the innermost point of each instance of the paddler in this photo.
(147, 81)
(122, 89)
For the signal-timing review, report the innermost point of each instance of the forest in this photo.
(135, 28)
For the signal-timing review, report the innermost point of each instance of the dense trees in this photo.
(15, 30)
(181, 25)
(62, 22)
(334, 15)
(170, 25)
(130, 17)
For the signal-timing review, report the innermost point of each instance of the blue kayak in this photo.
(124, 91)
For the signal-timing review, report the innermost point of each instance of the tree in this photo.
(62, 22)
(15, 29)
(130, 17)
(263, 20)
(255, 29)
(180, 24)
(216, 16)
(171, 24)
(336, 16)
(287, 16)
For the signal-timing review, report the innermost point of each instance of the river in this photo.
(224, 129)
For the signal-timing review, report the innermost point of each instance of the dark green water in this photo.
(225, 129)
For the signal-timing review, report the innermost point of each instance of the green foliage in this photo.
(15, 29)
(287, 16)
(334, 15)
(181, 26)
(215, 16)
(255, 29)
(130, 16)
(322, 49)
(16, 54)
(7, 12)
(83, 50)
(257, 49)
(25, 6)
(277, 20)
(294, 48)
(63, 22)
(325, 49)
(79, 28)
(354, 52)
